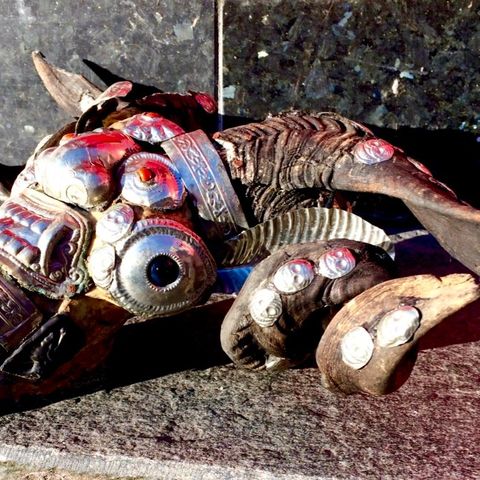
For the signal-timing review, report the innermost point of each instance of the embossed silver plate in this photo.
(42, 244)
(207, 181)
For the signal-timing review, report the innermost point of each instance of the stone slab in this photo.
(168, 405)
(167, 44)
(389, 64)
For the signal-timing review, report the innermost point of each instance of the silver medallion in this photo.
(398, 326)
(265, 307)
(357, 348)
(336, 263)
(115, 223)
(101, 264)
(150, 180)
(293, 276)
(374, 150)
(163, 268)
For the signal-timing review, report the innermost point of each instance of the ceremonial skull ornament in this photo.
(134, 207)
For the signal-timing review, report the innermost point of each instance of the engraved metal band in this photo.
(207, 181)
(18, 315)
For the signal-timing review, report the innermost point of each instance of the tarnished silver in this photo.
(357, 348)
(294, 276)
(207, 181)
(42, 244)
(115, 223)
(374, 150)
(18, 315)
(151, 180)
(156, 238)
(149, 127)
(265, 307)
(101, 264)
(398, 326)
(336, 263)
(79, 171)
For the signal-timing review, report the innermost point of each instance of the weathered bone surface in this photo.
(370, 364)
(73, 92)
(258, 326)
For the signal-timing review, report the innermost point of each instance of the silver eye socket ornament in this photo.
(357, 348)
(265, 307)
(293, 276)
(163, 268)
(336, 263)
(151, 180)
(398, 326)
(374, 150)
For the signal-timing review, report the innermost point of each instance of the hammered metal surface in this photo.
(115, 223)
(149, 127)
(207, 181)
(42, 244)
(18, 315)
(79, 171)
(151, 238)
(150, 180)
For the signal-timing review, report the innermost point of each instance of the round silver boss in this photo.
(151, 180)
(164, 268)
(115, 223)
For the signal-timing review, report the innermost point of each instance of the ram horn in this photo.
(73, 92)
(369, 345)
(303, 225)
(326, 152)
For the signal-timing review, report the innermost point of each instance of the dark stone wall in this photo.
(169, 44)
(386, 63)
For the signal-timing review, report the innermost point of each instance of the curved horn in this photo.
(329, 152)
(368, 342)
(73, 92)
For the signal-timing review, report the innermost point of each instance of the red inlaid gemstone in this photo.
(145, 174)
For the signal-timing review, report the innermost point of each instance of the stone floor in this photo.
(168, 405)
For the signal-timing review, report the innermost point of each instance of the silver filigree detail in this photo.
(41, 241)
(101, 264)
(265, 307)
(357, 348)
(398, 326)
(207, 182)
(151, 180)
(336, 263)
(115, 223)
(293, 276)
(373, 151)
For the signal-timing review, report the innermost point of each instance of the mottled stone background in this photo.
(388, 63)
(166, 43)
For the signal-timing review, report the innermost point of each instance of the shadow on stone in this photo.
(462, 327)
(168, 345)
